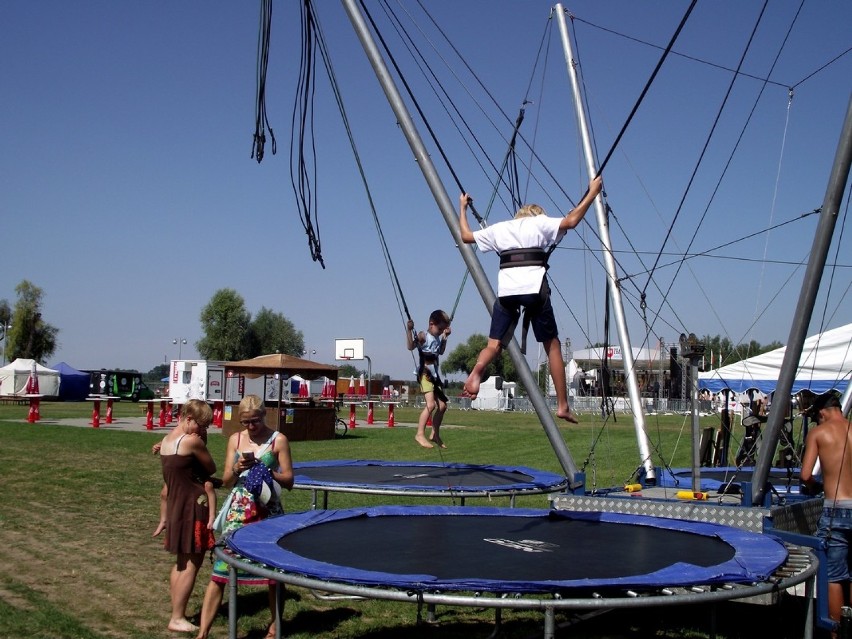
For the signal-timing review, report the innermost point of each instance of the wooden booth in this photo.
(268, 376)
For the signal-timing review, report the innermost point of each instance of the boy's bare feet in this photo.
(567, 414)
(160, 528)
(421, 439)
(435, 439)
(182, 625)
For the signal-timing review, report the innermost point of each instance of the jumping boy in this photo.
(430, 345)
(523, 244)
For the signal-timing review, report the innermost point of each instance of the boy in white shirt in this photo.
(523, 244)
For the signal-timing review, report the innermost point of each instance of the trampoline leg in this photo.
(549, 623)
(498, 618)
(430, 613)
(279, 609)
(232, 602)
(713, 610)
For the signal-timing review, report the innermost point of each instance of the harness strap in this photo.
(523, 257)
(531, 312)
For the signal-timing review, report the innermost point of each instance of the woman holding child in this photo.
(257, 465)
(187, 464)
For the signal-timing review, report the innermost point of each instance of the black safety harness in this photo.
(430, 358)
(527, 257)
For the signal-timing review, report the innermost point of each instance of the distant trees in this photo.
(230, 334)
(271, 332)
(463, 357)
(721, 351)
(27, 335)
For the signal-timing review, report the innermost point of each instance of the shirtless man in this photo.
(831, 442)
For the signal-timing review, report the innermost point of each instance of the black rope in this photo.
(303, 170)
(647, 85)
(707, 140)
(261, 120)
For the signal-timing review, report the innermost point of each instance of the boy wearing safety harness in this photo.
(524, 245)
(429, 346)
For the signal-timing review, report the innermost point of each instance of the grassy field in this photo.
(78, 506)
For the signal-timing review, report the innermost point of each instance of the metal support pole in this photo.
(609, 262)
(424, 161)
(805, 306)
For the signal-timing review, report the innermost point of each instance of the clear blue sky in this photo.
(129, 195)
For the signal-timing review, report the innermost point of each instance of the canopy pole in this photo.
(609, 261)
(448, 210)
(804, 308)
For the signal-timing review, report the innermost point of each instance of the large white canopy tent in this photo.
(825, 364)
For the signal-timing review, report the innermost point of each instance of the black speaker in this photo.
(498, 382)
(676, 374)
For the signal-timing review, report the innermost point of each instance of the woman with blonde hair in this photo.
(257, 465)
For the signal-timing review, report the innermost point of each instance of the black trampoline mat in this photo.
(401, 475)
(503, 548)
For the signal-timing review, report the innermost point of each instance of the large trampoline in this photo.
(422, 479)
(523, 558)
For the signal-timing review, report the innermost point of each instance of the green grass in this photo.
(78, 505)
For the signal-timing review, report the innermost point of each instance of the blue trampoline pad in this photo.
(506, 550)
(423, 476)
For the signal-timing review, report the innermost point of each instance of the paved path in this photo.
(137, 424)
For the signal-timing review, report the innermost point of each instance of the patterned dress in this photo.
(244, 508)
(187, 510)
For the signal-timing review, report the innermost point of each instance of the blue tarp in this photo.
(73, 384)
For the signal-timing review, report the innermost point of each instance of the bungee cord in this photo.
(261, 119)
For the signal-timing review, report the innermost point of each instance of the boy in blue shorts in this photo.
(524, 245)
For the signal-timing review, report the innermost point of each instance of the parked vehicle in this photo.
(121, 384)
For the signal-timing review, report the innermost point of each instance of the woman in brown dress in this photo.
(186, 465)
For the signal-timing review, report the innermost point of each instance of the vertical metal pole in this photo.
(448, 210)
(696, 426)
(805, 306)
(609, 261)
(232, 602)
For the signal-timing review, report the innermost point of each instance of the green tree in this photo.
(5, 321)
(463, 358)
(725, 352)
(348, 370)
(271, 332)
(158, 372)
(29, 336)
(226, 325)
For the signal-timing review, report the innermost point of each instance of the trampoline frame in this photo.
(799, 567)
(544, 482)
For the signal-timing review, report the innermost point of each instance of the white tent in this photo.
(826, 363)
(13, 378)
(490, 398)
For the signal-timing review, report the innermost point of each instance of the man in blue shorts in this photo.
(830, 443)
(524, 245)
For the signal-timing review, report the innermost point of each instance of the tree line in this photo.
(230, 333)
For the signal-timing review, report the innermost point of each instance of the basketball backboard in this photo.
(349, 348)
